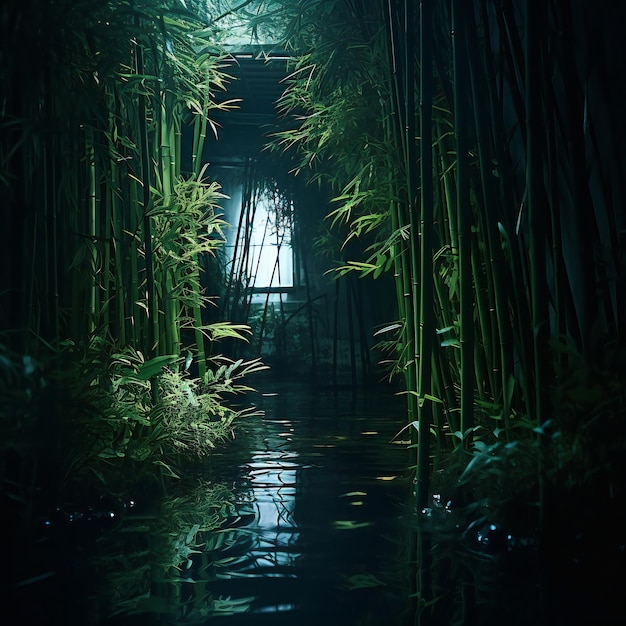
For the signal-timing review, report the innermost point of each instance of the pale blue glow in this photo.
(271, 255)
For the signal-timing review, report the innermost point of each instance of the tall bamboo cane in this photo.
(92, 302)
(426, 314)
(396, 134)
(152, 308)
(497, 273)
(533, 53)
(536, 206)
(170, 305)
(425, 308)
(405, 89)
(464, 211)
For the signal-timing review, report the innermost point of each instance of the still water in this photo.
(318, 536)
(305, 518)
(302, 519)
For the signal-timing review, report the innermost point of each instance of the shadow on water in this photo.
(317, 537)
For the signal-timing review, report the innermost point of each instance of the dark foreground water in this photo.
(319, 539)
(306, 518)
(300, 520)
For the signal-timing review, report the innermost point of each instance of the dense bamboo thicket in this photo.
(475, 153)
(109, 372)
(472, 159)
(104, 231)
(107, 238)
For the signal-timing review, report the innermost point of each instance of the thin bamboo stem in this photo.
(464, 212)
(91, 231)
(425, 308)
(151, 303)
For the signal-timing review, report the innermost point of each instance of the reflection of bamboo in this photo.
(335, 330)
(353, 377)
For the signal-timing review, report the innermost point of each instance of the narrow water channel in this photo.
(318, 536)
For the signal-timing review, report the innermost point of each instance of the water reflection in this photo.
(319, 494)
(273, 480)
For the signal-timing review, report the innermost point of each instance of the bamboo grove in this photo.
(102, 222)
(474, 153)
(474, 157)
(109, 371)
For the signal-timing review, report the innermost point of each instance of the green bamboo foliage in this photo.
(507, 151)
(105, 115)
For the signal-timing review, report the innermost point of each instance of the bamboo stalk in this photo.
(450, 215)
(405, 87)
(138, 328)
(107, 280)
(536, 205)
(425, 306)
(151, 303)
(120, 282)
(496, 267)
(464, 212)
(200, 128)
(91, 231)
(299, 250)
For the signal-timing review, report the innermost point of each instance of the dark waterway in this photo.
(305, 518)
(302, 519)
(321, 497)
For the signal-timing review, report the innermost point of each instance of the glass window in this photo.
(271, 254)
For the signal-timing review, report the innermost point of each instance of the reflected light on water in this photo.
(315, 495)
(272, 476)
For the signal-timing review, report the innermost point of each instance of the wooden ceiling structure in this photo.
(257, 81)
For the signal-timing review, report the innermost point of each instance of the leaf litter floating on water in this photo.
(350, 524)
